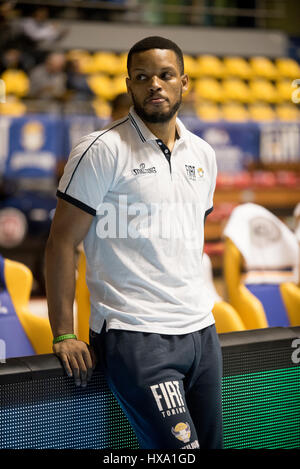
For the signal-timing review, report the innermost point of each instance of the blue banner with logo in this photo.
(279, 142)
(236, 144)
(30, 146)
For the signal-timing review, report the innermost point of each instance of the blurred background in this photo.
(63, 69)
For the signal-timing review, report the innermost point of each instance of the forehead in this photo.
(153, 59)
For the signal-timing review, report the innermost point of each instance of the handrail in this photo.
(48, 365)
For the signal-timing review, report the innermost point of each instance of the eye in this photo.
(141, 77)
(167, 75)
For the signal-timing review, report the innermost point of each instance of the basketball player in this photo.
(137, 194)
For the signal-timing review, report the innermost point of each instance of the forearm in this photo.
(60, 286)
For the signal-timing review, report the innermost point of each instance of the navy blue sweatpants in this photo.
(169, 386)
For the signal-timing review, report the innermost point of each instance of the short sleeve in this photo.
(88, 175)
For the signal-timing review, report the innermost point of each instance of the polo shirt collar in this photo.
(145, 134)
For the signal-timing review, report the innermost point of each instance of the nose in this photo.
(155, 83)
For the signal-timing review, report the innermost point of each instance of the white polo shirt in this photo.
(144, 247)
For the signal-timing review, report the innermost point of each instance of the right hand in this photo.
(78, 359)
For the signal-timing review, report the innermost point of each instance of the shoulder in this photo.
(115, 132)
(102, 139)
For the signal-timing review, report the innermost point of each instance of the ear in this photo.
(185, 83)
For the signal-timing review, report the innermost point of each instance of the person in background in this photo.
(7, 23)
(120, 106)
(38, 29)
(76, 82)
(48, 80)
(15, 59)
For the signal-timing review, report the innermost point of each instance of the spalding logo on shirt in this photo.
(143, 170)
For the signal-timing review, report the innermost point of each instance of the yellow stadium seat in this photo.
(284, 89)
(119, 84)
(263, 90)
(208, 111)
(287, 112)
(208, 89)
(261, 112)
(287, 68)
(291, 296)
(82, 297)
(102, 85)
(16, 82)
(226, 318)
(19, 283)
(210, 66)
(235, 89)
(102, 108)
(191, 66)
(106, 62)
(237, 67)
(235, 112)
(12, 107)
(243, 301)
(263, 67)
(121, 64)
(86, 60)
(258, 288)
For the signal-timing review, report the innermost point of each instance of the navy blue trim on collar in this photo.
(135, 125)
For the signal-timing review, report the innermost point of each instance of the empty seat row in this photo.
(235, 89)
(196, 67)
(240, 113)
(230, 89)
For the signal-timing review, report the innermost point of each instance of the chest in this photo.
(152, 175)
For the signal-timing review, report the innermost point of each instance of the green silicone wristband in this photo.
(60, 338)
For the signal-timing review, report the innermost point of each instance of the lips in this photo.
(155, 100)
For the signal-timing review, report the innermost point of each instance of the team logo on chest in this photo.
(192, 174)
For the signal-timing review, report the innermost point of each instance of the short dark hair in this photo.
(156, 42)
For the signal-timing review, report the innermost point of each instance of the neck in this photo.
(166, 131)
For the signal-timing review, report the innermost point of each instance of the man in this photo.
(48, 79)
(137, 193)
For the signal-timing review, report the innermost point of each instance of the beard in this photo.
(155, 117)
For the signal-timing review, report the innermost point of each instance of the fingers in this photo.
(77, 359)
(65, 362)
(79, 370)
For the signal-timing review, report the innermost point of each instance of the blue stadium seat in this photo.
(11, 331)
(261, 268)
(22, 333)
